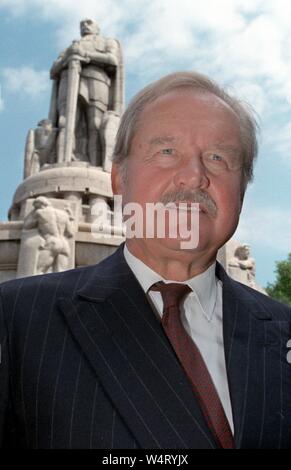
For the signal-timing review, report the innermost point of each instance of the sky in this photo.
(245, 45)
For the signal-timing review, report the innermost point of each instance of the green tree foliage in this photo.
(281, 289)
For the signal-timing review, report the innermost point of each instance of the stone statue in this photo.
(242, 266)
(40, 144)
(87, 96)
(55, 227)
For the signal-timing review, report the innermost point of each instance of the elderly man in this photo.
(155, 347)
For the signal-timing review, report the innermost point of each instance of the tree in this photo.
(281, 289)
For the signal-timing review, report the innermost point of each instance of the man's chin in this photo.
(178, 244)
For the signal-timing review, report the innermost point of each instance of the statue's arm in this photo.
(246, 264)
(233, 262)
(58, 65)
(30, 221)
(109, 56)
(104, 58)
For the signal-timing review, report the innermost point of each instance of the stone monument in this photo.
(53, 221)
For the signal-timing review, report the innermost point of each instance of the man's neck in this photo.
(178, 265)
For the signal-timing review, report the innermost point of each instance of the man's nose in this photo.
(191, 174)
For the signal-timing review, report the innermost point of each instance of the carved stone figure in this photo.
(55, 227)
(242, 266)
(88, 83)
(39, 147)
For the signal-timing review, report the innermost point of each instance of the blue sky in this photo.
(244, 44)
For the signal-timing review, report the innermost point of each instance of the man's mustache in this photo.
(197, 196)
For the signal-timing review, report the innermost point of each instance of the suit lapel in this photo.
(255, 352)
(113, 323)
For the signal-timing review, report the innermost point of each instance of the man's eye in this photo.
(216, 157)
(168, 151)
(215, 162)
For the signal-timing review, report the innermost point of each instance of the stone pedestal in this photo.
(74, 187)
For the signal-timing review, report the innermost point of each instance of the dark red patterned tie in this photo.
(193, 363)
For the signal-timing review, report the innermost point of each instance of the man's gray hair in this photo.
(198, 82)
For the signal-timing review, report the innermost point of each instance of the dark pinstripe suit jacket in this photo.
(85, 364)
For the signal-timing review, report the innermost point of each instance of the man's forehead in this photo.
(163, 139)
(187, 96)
(186, 93)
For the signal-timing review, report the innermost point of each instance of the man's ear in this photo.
(116, 179)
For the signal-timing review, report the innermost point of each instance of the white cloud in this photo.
(26, 80)
(267, 227)
(281, 142)
(252, 93)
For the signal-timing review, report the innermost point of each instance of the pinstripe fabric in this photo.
(258, 372)
(86, 364)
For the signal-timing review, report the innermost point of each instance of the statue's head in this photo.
(41, 202)
(88, 26)
(242, 252)
(45, 123)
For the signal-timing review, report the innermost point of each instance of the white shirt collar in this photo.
(204, 285)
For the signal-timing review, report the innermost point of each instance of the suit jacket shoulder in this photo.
(276, 309)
